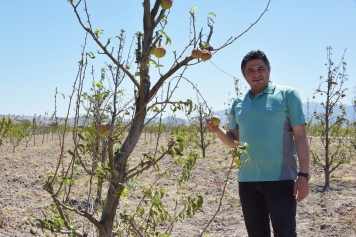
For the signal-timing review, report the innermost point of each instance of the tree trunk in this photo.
(105, 231)
(327, 180)
(120, 160)
(103, 160)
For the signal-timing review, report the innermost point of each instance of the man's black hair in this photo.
(254, 55)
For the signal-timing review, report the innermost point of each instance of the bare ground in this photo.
(22, 196)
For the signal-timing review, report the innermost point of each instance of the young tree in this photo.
(5, 125)
(118, 172)
(328, 124)
(36, 125)
(17, 133)
(200, 132)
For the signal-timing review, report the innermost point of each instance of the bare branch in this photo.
(160, 82)
(160, 16)
(155, 10)
(147, 164)
(210, 33)
(96, 39)
(231, 40)
(221, 197)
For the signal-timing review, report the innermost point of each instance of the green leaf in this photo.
(71, 153)
(81, 136)
(168, 40)
(99, 84)
(212, 13)
(193, 10)
(98, 32)
(91, 55)
(64, 97)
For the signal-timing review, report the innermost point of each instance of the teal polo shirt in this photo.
(265, 123)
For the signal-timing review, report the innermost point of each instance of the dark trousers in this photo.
(271, 200)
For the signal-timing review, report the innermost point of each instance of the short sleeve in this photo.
(232, 120)
(295, 109)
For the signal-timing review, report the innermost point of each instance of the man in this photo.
(270, 119)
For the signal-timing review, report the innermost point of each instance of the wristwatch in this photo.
(306, 175)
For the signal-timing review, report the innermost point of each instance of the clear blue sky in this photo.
(41, 43)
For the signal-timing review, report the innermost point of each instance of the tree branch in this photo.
(96, 39)
(231, 40)
(147, 163)
(160, 82)
(147, 12)
(155, 10)
(222, 195)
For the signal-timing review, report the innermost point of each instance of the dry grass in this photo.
(322, 214)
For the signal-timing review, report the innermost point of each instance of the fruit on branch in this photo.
(166, 4)
(104, 129)
(197, 53)
(152, 49)
(206, 55)
(159, 51)
(215, 120)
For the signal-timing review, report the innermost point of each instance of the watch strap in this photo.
(306, 175)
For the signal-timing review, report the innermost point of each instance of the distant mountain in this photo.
(350, 113)
(314, 106)
(173, 120)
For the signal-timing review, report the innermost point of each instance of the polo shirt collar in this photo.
(269, 89)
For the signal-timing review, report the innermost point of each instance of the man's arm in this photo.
(301, 186)
(227, 137)
(301, 142)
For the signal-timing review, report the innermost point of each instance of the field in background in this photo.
(22, 196)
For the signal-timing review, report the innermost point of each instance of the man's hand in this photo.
(301, 188)
(210, 126)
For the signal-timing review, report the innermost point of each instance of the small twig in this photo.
(222, 196)
(210, 33)
(134, 227)
(231, 40)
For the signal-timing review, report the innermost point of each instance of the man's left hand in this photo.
(301, 188)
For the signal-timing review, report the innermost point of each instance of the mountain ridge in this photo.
(173, 120)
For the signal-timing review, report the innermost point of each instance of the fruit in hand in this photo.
(104, 129)
(166, 4)
(197, 53)
(159, 51)
(206, 55)
(215, 120)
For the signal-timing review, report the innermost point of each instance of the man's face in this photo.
(256, 74)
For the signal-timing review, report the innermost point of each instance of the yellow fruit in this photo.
(206, 55)
(166, 4)
(104, 129)
(197, 53)
(215, 120)
(159, 51)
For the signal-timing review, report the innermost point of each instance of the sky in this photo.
(41, 44)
